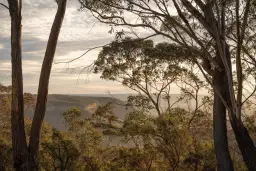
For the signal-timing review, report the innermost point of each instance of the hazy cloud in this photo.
(80, 31)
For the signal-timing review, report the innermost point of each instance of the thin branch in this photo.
(84, 68)
(247, 98)
(199, 66)
(150, 164)
(125, 105)
(88, 50)
(101, 46)
(192, 34)
(4, 6)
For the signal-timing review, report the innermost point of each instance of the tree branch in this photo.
(238, 61)
(4, 6)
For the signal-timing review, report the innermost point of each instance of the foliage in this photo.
(5, 125)
(62, 152)
(176, 139)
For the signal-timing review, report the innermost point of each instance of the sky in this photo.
(79, 32)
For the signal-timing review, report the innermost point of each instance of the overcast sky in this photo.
(79, 32)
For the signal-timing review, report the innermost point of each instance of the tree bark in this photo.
(24, 157)
(44, 81)
(224, 162)
(19, 144)
(245, 144)
(244, 141)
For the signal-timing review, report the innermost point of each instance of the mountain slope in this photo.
(57, 104)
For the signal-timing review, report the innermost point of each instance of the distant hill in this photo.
(88, 103)
(57, 104)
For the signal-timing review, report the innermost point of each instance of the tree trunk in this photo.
(19, 144)
(244, 141)
(245, 145)
(224, 162)
(44, 81)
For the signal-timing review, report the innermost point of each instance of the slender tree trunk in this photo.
(246, 145)
(21, 152)
(244, 141)
(224, 162)
(19, 144)
(44, 81)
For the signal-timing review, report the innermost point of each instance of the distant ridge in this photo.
(59, 103)
(88, 103)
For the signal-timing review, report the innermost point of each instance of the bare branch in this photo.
(89, 69)
(4, 6)
(101, 46)
(247, 98)
(125, 105)
(90, 49)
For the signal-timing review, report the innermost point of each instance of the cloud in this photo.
(79, 32)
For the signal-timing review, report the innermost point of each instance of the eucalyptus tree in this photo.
(25, 155)
(151, 71)
(219, 36)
